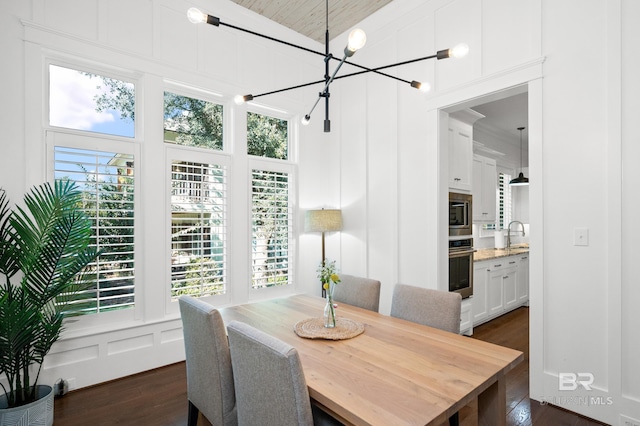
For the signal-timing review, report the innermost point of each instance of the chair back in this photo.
(209, 372)
(269, 381)
(357, 291)
(434, 308)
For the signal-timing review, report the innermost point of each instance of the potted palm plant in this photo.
(44, 251)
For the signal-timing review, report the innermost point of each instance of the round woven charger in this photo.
(313, 328)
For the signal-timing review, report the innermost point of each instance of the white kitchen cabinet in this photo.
(460, 142)
(522, 280)
(509, 284)
(501, 286)
(479, 299)
(484, 184)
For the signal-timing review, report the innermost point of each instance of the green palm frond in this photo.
(49, 242)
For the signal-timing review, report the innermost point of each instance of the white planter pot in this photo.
(37, 413)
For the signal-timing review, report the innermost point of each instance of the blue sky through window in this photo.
(73, 105)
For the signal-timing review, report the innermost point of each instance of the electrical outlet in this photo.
(71, 383)
(628, 421)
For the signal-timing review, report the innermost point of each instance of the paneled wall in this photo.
(154, 45)
(582, 298)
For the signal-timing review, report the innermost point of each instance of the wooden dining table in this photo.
(395, 373)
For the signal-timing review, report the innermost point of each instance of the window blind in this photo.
(198, 229)
(272, 228)
(107, 182)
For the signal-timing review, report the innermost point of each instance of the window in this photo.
(271, 202)
(271, 228)
(192, 122)
(504, 201)
(267, 136)
(198, 229)
(503, 204)
(107, 182)
(90, 102)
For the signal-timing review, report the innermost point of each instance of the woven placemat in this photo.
(313, 328)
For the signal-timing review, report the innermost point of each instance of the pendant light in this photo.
(521, 180)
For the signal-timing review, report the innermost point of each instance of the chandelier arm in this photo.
(364, 71)
(376, 69)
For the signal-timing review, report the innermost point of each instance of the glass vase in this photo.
(329, 314)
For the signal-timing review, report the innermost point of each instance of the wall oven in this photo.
(460, 214)
(461, 266)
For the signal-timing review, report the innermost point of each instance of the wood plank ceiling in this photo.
(308, 17)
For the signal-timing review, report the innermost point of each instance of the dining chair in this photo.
(210, 387)
(434, 308)
(358, 291)
(269, 381)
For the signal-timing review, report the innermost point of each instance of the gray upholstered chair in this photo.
(209, 374)
(269, 381)
(434, 308)
(357, 291)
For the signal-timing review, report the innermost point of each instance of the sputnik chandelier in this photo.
(356, 41)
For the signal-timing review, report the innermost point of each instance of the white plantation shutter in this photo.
(504, 200)
(272, 228)
(198, 229)
(107, 182)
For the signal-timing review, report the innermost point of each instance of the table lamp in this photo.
(324, 220)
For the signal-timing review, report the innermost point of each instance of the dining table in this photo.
(394, 372)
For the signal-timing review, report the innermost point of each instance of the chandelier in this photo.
(356, 41)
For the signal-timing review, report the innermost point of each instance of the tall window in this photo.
(271, 228)
(107, 182)
(271, 201)
(198, 229)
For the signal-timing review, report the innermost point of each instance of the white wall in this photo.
(582, 298)
(153, 43)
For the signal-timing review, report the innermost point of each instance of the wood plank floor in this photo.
(159, 397)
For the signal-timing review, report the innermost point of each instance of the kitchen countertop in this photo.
(494, 253)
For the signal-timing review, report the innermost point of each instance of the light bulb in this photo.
(357, 39)
(239, 99)
(423, 87)
(195, 16)
(459, 51)
(305, 120)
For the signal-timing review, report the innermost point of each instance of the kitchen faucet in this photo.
(509, 232)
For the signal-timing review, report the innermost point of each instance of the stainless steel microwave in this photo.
(460, 214)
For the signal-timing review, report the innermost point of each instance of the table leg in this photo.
(492, 404)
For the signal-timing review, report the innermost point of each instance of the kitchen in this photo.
(488, 211)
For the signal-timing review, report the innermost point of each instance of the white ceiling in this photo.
(309, 17)
(502, 119)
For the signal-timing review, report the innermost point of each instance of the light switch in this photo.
(581, 236)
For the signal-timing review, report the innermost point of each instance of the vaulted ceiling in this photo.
(309, 17)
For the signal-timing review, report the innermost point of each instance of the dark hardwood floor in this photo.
(159, 397)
